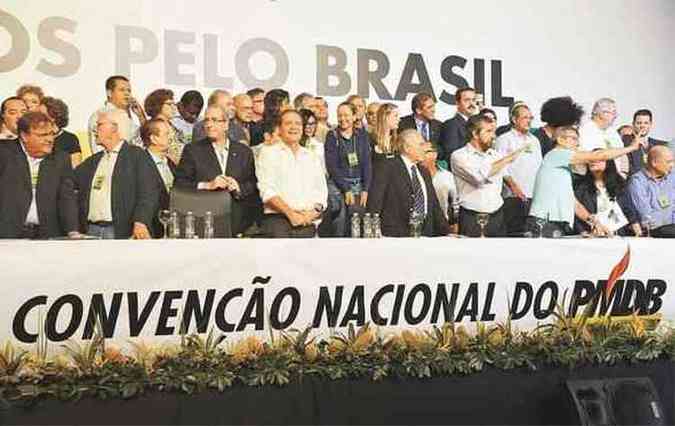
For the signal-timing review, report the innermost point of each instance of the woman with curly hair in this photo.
(553, 201)
(31, 95)
(160, 104)
(57, 110)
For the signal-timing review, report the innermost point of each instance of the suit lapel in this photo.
(232, 159)
(210, 153)
(26, 183)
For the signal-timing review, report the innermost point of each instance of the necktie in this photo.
(418, 194)
(425, 131)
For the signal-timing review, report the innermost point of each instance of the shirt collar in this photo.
(116, 149)
(419, 121)
(407, 162)
(225, 146)
(473, 150)
(156, 158)
(465, 117)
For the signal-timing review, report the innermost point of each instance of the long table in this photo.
(146, 289)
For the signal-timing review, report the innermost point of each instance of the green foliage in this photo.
(203, 363)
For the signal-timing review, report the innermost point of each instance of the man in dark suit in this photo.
(642, 125)
(37, 197)
(118, 194)
(422, 119)
(453, 131)
(401, 189)
(215, 163)
(155, 136)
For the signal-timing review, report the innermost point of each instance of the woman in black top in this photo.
(65, 141)
(599, 189)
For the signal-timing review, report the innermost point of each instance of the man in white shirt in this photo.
(598, 133)
(118, 92)
(521, 174)
(187, 114)
(479, 173)
(292, 183)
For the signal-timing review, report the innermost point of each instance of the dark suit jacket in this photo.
(135, 191)
(391, 196)
(586, 194)
(408, 122)
(453, 136)
(164, 197)
(55, 194)
(637, 158)
(199, 163)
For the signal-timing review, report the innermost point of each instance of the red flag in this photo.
(617, 272)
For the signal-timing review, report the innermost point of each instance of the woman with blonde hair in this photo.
(383, 138)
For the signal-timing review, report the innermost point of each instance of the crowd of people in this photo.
(291, 172)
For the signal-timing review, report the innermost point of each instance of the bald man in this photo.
(652, 191)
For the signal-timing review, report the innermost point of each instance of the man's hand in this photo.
(296, 218)
(219, 182)
(232, 184)
(349, 198)
(74, 235)
(137, 109)
(518, 192)
(364, 199)
(454, 229)
(140, 232)
(600, 230)
(637, 229)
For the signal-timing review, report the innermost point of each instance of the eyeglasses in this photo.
(213, 120)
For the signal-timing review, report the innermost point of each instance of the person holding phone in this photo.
(642, 126)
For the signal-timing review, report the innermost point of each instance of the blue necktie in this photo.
(418, 194)
(425, 131)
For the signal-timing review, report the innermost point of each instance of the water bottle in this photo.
(367, 226)
(174, 226)
(377, 226)
(208, 225)
(356, 226)
(189, 225)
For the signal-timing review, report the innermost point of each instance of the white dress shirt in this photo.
(297, 178)
(408, 166)
(221, 152)
(317, 148)
(477, 190)
(525, 167)
(164, 170)
(445, 187)
(592, 137)
(34, 168)
(100, 200)
(128, 130)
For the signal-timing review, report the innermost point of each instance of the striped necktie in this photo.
(418, 193)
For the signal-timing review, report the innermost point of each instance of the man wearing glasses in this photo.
(597, 133)
(217, 164)
(37, 197)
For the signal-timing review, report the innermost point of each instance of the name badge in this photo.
(353, 159)
(664, 201)
(98, 183)
(34, 178)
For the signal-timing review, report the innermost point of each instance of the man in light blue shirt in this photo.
(652, 191)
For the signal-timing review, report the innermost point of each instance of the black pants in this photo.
(515, 215)
(278, 226)
(665, 231)
(468, 223)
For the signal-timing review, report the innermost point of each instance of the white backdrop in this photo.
(616, 48)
